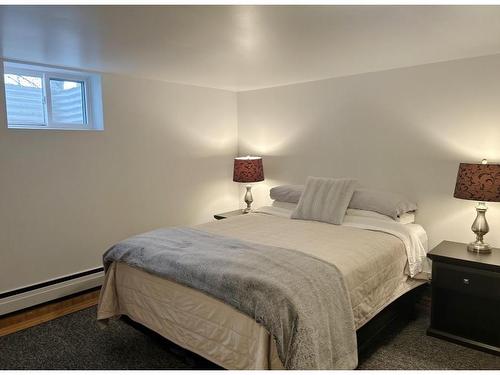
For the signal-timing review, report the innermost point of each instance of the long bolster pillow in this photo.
(383, 202)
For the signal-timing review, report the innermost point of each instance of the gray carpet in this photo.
(75, 341)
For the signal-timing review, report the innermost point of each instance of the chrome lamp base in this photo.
(248, 199)
(479, 247)
(480, 227)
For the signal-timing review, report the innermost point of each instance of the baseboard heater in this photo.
(22, 298)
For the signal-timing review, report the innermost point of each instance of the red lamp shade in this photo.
(248, 169)
(478, 182)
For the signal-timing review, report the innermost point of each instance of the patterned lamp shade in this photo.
(478, 182)
(248, 169)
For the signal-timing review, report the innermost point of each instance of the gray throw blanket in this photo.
(301, 300)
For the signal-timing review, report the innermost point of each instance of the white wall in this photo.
(164, 158)
(404, 130)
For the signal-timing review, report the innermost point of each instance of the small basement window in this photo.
(39, 97)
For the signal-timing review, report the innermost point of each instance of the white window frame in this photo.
(91, 95)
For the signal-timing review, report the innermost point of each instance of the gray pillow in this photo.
(325, 199)
(287, 193)
(383, 202)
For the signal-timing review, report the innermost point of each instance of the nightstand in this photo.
(465, 307)
(225, 215)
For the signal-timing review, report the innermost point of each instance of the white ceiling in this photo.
(246, 47)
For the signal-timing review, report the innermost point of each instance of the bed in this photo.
(372, 256)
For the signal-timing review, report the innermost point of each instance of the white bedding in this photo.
(413, 236)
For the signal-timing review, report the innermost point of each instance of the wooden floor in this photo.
(39, 314)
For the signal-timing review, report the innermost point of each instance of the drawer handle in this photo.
(466, 281)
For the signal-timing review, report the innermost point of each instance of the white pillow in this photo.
(325, 199)
(366, 213)
(406, 218)
(285, 205)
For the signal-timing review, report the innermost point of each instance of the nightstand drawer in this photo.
(466, 280)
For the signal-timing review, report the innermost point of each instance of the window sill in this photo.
(34, 127)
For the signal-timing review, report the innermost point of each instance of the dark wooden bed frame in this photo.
(390, 319)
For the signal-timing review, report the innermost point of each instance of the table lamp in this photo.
(248, 169)
(479, 182)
